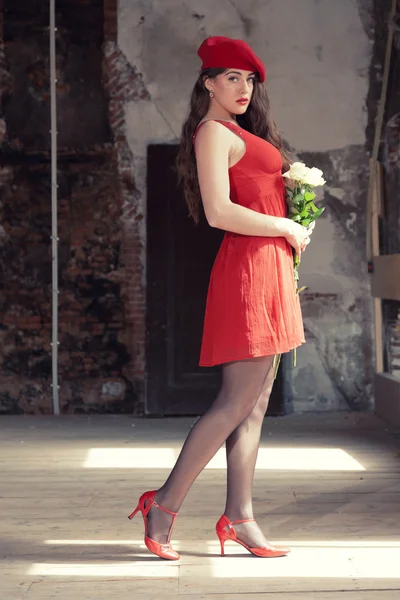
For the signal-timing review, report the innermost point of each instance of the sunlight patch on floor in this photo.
(213, 545)
(134, 543)
(288, 459)
(311, 562)
(314, 559)
(341, 544)
(370, 559)
(103, 569)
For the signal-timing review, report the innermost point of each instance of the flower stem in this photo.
(276, 363)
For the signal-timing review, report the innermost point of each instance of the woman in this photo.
(231, 158)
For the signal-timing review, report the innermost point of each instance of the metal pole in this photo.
(54, 229)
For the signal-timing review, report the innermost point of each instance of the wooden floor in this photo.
(327, 485)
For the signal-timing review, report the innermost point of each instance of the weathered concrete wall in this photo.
(317, 54)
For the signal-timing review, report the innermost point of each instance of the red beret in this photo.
(224, 52)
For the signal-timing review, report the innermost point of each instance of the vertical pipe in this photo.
(54, 227)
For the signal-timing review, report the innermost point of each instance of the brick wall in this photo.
(101, 291)
(4, 78)
(123, 84)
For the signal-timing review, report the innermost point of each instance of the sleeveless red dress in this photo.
(252, 307)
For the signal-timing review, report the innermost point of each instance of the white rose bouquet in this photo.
(300, 199)
(302, 210)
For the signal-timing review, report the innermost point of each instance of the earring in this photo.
(211, 94)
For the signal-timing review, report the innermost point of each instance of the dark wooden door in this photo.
(180, 256)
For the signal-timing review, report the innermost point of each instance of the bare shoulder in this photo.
(211, 133)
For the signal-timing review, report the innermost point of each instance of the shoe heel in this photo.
(222, 542)
(134, 512)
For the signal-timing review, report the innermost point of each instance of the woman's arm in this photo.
(213, 148)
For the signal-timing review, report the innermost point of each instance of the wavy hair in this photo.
(257, 120)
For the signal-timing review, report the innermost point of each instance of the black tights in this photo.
(236, 417)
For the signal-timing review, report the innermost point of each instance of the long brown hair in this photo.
(257, 119)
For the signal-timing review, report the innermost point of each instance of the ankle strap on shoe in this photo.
(241, 521)
(164, 509)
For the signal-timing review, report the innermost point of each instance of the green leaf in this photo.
(296, 218)
(304, 213)
(318, 213)
(309, 196)
(306, 222)
(313, 207)
(298, 198)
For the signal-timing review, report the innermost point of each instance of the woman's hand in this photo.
(297, 235)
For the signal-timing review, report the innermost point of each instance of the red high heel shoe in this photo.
(223, 535)
(161, 550)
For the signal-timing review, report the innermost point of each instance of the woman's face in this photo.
(232, 90)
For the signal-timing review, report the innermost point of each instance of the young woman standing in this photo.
(231, 162)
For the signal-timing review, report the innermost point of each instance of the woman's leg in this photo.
(242, 382)
(241, 453)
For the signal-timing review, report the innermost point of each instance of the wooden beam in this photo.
(377, 203)
(385, 282)
(387, 397)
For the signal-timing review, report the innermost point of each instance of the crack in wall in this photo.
(246, 21)
(163, 117)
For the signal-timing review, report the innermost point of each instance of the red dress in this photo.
(252, 307)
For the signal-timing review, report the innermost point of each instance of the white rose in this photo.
(298, 172)
(314, 177)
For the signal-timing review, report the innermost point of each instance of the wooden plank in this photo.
(377, 203)
(314, 595)
(378, 335)
(387, 397)
(351, 497)
(385, 281)
(13, 588)
(195, 580)
(64, 531)
(379, 206)
(128, 589)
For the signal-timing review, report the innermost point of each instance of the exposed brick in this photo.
(122, 82)
(110, 19)
(99, 338)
